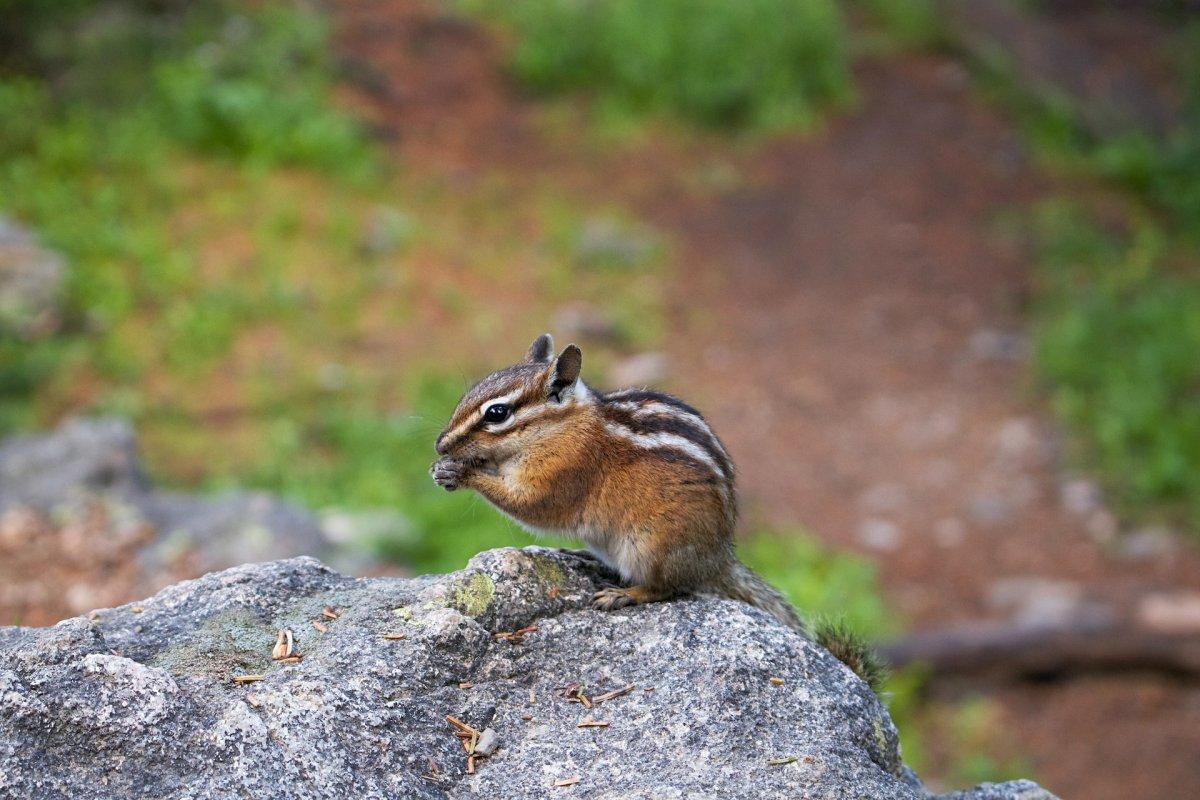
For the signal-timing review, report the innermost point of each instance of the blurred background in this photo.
(931, 269)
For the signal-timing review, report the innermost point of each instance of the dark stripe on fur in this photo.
(665, 423)
(644, 396)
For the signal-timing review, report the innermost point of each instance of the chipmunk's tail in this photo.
(853, 651)
(743, 583)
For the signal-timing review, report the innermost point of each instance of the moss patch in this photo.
(549, 572)
(228, 644)
(474, 595)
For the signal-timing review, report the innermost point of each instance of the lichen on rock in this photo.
(474, 594)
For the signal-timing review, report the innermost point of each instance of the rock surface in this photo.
(141, 700)
(84, 460)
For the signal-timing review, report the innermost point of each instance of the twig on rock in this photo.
(615, 693)
(514, 637)
(588, 722)
(458, 723)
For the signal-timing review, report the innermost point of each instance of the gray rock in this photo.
(230, 528)
(1147, 544)
(1081, 496)
(1031, 600)
(880, 534)
(87, 460)
(1017, 438)
(9, 634)
(140, 700)
(989, 344)
(82, 456)
(1010, 790)
(1173, 612)
(31, 284)
(1103, 526)
(988, 508)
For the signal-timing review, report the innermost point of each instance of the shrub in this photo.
(101, 110)
(1117, 344)
(752, 63)
(259, 88)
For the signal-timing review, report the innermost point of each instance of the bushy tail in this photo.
(853, 651)
(744, 584)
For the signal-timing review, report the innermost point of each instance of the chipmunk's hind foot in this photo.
(611, 599)
(614, 597)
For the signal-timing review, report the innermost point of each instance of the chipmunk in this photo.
(639, 476)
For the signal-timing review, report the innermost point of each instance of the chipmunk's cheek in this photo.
(486, 467)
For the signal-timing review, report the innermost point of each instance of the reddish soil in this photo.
(54, 569)
(850, 313)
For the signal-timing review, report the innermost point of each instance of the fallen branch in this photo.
(1010, 651)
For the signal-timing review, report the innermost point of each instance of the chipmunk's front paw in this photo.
(612, 598)
(448, 473)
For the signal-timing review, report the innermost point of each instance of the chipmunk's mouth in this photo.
(487, 466)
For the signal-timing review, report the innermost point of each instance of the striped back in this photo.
(659, 422)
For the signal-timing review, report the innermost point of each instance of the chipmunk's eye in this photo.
(496, 412)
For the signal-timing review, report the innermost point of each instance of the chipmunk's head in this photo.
(517, 408)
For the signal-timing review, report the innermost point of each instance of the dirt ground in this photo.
(849, 309)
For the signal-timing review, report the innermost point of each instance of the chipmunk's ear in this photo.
(564, 373)
(541, 349)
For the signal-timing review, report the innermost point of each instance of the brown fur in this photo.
(665, 522)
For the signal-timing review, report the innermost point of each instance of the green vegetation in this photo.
(1118, 303)
(1117, 344)
(252, 285)
(92, 156)
(905, 24)
(1165, 174)
(840, 588)
(761, 64)
(973, 726)
(259, 91)
(246, 80)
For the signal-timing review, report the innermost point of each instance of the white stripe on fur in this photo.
(641, 409)
(668, 441)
